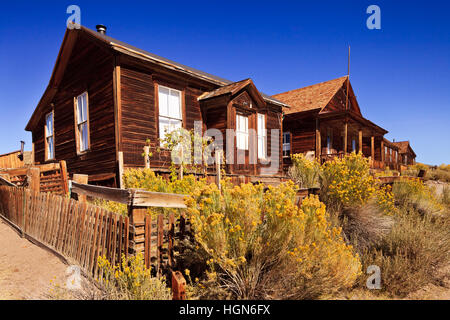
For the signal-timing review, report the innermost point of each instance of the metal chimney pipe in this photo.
(101, 28)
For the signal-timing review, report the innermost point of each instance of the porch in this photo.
(340, 134)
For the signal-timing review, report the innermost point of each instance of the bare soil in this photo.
(26, 270)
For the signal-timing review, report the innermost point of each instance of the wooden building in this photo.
(407, 154)
(390, 155)
(106, 98)
(321, 121)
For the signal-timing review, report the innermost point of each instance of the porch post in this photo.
(345, 137)
(372, 145)
(318, 140)
(382, 151)
(360, 141)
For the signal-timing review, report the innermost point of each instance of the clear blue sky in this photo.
(400, 74)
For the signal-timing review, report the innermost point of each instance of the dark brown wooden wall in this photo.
(139, 110)
(303, 135)
(90, 68)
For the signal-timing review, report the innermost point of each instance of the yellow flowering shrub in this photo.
(131, 280)
(304, 172)
(146, 179)
(260, 245)
(348, 182)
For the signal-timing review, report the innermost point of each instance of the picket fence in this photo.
(80, 232)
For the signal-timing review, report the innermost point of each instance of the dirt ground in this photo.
(26, 270)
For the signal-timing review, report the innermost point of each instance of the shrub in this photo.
(131, 281)
(438, 175)
(260, 245)
(347, 182)
(414, 193)
(412, 253)
(304, 172)
(146, 179)
(366, 225)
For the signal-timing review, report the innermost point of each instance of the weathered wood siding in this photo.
(90, 69)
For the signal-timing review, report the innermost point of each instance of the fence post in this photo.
(147, 157)
(218, 171)
(64, 178)
(178, 286)
(83, 179)
(120, 163)
(34, 179)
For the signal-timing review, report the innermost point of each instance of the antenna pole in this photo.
(348, 78)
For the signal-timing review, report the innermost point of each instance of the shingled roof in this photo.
(129, 49)
(403, 146)
(312, 97)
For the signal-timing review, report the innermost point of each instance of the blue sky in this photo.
(400, 74)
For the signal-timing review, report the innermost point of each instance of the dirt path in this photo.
(26, 270)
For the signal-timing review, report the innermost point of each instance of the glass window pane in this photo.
(79, 110)
(84, 137)
(163, 94)
(84, 106)
(175, 104)
(164, 124)
(49, 125)
(50, 148)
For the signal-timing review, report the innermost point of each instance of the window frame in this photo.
(181, 106)
(244, 133)
(78, 138)
(285, 134)
(262, 135)
(46, 137)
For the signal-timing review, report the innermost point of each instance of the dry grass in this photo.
(365, 225)
(417, 247)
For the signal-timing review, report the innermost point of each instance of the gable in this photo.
(339, 101)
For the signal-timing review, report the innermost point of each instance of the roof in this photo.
(315, 97)
(390, 143)
(403, 146)
(118, 45)
(66, 48)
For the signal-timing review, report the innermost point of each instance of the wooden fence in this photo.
(80, 232)
(157, 239)
(52, 177)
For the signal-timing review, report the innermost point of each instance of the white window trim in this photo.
(48, 136)
(239, 132)
(180, 120)
(81, 148)
(262, 154)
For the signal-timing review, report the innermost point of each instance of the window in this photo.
(170, 116)
(329, 140)
(241, 132)
(353, 145)
(49, 137)
(390, 155)
(82, 123)
(262, 137)
(286, 144)
(385, 153)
